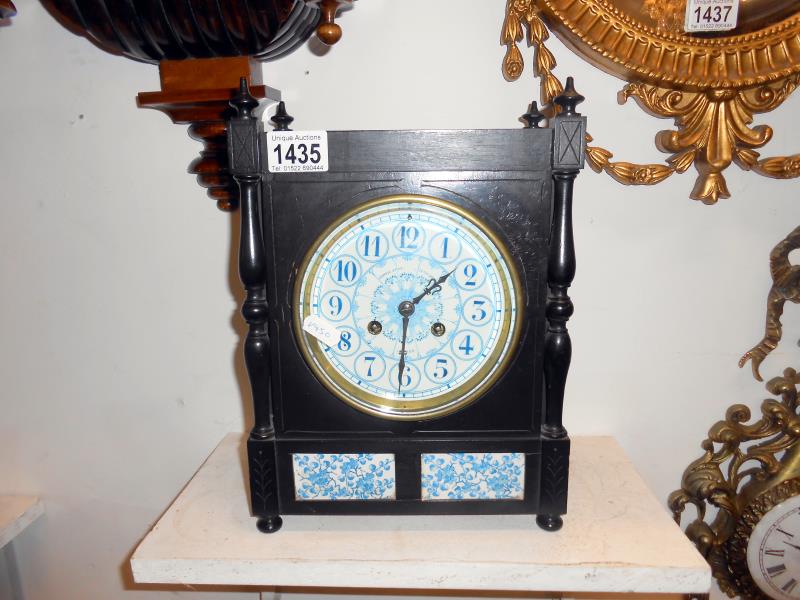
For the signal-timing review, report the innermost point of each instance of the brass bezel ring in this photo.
(406, 409)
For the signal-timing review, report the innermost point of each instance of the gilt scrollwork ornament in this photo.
(522, 16)
(778, 167)
(710, 87)
(713, 128)
(746, 469)
(625, 172)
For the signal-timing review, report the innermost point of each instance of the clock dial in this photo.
(773, 553)
(423, 301)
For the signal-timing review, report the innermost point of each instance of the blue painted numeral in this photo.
(371, 361)
(480, 313)
(470, 272)
(441, 371)
(346, 271)
(336, 305)
(344, 341)
(373, 244)
(465, 346)
(408, 237)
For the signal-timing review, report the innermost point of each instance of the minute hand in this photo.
(434, 285)
(402, 366)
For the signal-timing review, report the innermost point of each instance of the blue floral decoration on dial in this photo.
(397, 288)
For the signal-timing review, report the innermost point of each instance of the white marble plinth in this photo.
(16, 513)
(617, 537)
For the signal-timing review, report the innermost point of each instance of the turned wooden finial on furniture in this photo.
(197, 92)
(328, 31)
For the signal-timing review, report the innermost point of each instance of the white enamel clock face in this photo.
(773, 552)
(423, 300)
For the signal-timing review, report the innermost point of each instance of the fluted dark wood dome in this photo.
(153, 30)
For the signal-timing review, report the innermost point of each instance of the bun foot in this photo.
(549, 522)
(269, 524)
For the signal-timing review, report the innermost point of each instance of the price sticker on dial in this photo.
(321, 329)
(711, 15)
(297, 151)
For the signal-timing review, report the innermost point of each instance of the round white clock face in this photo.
(773, 552)
(418, 303)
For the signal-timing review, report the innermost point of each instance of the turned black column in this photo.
(245, 165)
(560, 272)
(244, 152)
(569, 130)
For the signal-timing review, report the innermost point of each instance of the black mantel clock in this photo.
(407, 310)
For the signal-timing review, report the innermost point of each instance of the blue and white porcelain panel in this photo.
(344, 476)
(473, 476)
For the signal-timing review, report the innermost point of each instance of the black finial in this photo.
(533, 116)
(243, 102)
(281, 118)
(569, 99)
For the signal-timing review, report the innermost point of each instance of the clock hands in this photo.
(402, 366)
(434, 285)
(792, 545)
(406, 309)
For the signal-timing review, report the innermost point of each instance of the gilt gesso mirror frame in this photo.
(711, 84)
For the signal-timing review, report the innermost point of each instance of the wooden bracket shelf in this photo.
(196, 92)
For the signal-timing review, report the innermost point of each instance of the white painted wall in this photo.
(119, 303)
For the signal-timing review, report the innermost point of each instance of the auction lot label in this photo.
(711, 15)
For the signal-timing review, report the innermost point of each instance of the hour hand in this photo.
(434, 285)
(792, 545)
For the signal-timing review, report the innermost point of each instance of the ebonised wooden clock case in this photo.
(516, 183)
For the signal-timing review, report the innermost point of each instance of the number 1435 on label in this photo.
(297, 151)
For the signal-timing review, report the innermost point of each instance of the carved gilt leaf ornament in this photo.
(711, 85)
